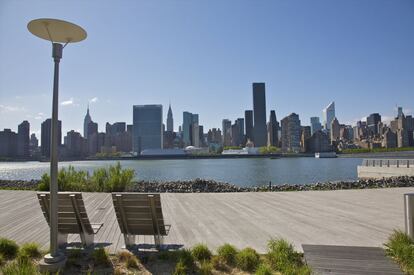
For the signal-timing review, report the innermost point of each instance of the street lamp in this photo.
(57, 32)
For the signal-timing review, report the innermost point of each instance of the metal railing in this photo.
(406, 163)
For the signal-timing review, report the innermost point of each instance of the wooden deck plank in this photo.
(326, 259)
(348, 217)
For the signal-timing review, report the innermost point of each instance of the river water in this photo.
(242, 172)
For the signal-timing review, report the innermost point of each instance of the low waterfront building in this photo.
(163, 152)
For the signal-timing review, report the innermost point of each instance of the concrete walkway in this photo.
(348, 217)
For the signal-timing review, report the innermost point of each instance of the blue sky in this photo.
(203, 56)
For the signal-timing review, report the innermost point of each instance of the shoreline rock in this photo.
(211, 186)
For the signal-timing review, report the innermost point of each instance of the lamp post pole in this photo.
(58, 32)
(54, 253)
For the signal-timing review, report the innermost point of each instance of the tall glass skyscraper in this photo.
(147, 129)
(329, 115)
(315, 124)
(248, 119)
(259, 115)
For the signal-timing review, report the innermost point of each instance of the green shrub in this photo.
(247, 259)
(100, 257)
(263, 269)
(401, 247)
(2, 261)
(8, 248)
(227, 253)
(180, 269)
(21, 266)
(206, 268)
(201, 252)
(30, 250)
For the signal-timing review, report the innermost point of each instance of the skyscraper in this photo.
(335, 128)
(291, 131)
(272, 130)
(187, 122)
(147, 129)
(248, 119)
(46, 131)
(373, 121)
(226, 127)
(259, 115)
(23, 139)
(328, 115)
(170, 121)
(315, 124)
(86, 121)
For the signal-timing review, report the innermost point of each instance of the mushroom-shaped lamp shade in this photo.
(56, 30)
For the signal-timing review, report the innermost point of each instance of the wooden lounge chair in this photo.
(140, 214)
(72, 217)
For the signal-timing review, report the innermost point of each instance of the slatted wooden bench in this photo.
(140, 214)
(72, 217)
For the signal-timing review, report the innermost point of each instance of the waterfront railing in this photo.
(406, 163)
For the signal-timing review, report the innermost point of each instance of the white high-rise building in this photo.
(328, 115)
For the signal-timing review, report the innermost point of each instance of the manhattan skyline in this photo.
(356, 54)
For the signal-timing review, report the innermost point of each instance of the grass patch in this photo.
(201, 252)
(128, 258)
(30, 250)
(100, 257)
(401, 248)
(247, 259)
(227, 254)
(8, 248)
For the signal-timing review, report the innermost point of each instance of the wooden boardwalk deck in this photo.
(349, 217)
(349, 260)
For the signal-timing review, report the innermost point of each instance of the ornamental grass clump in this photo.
(263, 269)
(111, 179)
(185, 262)
(227, 253)
(100, 257)
(206, 268)
(247, 259)
(401, 248)
(218, 263)
(201, 252)
(30, 250)
(21, 266)
(8, 248)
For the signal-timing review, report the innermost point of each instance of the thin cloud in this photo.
(9, 109)
(68, 102)
(93, 100)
